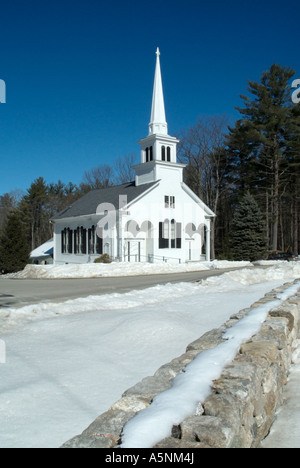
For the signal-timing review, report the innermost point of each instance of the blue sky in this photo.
(79, 74)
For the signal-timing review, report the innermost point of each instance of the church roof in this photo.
(44, 250)
(88, 204)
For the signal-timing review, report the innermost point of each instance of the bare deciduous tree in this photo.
(202, 149)
(98, 177)
(124, 168)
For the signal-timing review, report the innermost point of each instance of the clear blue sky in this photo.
(79, 74)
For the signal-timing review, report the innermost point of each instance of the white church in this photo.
(155, 218)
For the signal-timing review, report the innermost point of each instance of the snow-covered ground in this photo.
(67, 363)
(96, 270)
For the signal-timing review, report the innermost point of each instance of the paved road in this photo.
(18, 293)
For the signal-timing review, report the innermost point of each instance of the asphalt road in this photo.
(18, 293)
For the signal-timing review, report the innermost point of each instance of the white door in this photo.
(134, 251)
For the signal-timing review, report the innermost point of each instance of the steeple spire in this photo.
(158, 124)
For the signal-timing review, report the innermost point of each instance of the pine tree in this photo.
(34, 206)
(14, 250)
(259, 139)
(247, 237)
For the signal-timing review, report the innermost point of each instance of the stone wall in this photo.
(243, 401)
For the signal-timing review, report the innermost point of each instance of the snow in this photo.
(95, 270)
(67, 363)
(44, 250)
(171, 407)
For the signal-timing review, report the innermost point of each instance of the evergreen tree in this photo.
(259, 140)
(34, 206)
(247, 237)
(14, 250)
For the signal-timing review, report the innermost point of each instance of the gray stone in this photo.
(208, 340)
(210, 430)
(263, 349)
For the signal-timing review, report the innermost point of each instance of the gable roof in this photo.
(44, 250)
(88, 204)
(198, 200)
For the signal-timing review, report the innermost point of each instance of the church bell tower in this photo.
(158, 149)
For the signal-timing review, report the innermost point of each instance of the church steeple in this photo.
(158, 124)
(158, 149)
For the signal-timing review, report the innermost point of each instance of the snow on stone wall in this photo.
(236, 407)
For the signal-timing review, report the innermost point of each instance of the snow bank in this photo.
(278, 271)
(230, 281)
(171, 407)
(113, 301)
(95, 270)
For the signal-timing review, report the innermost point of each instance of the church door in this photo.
(134, 251)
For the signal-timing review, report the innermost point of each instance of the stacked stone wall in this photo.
(241, 407)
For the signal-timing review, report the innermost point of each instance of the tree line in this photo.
(258, 157)
(248, 174)
(25, 217)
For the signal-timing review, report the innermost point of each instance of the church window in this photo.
(76, 241)
(169, 201)
(173, 239)
(99, 245)
(70, 241)
(151, 153)
(91, 240)
(169, 235)
(163, 153)
(168, 154)
(166, 231)
(82, 240)
(66, 241)
(63, 241)
(163, 242)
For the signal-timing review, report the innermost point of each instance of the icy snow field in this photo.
(67, 363)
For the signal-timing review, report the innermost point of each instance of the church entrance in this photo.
(133, 251)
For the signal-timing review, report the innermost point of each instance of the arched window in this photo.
(69, 241)
(163, 242)
(63, 241)
(151, 153)
(82, 240)
(76, 241)
(91, 240)
(163, 153)
(173, 234)
(168, 153)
